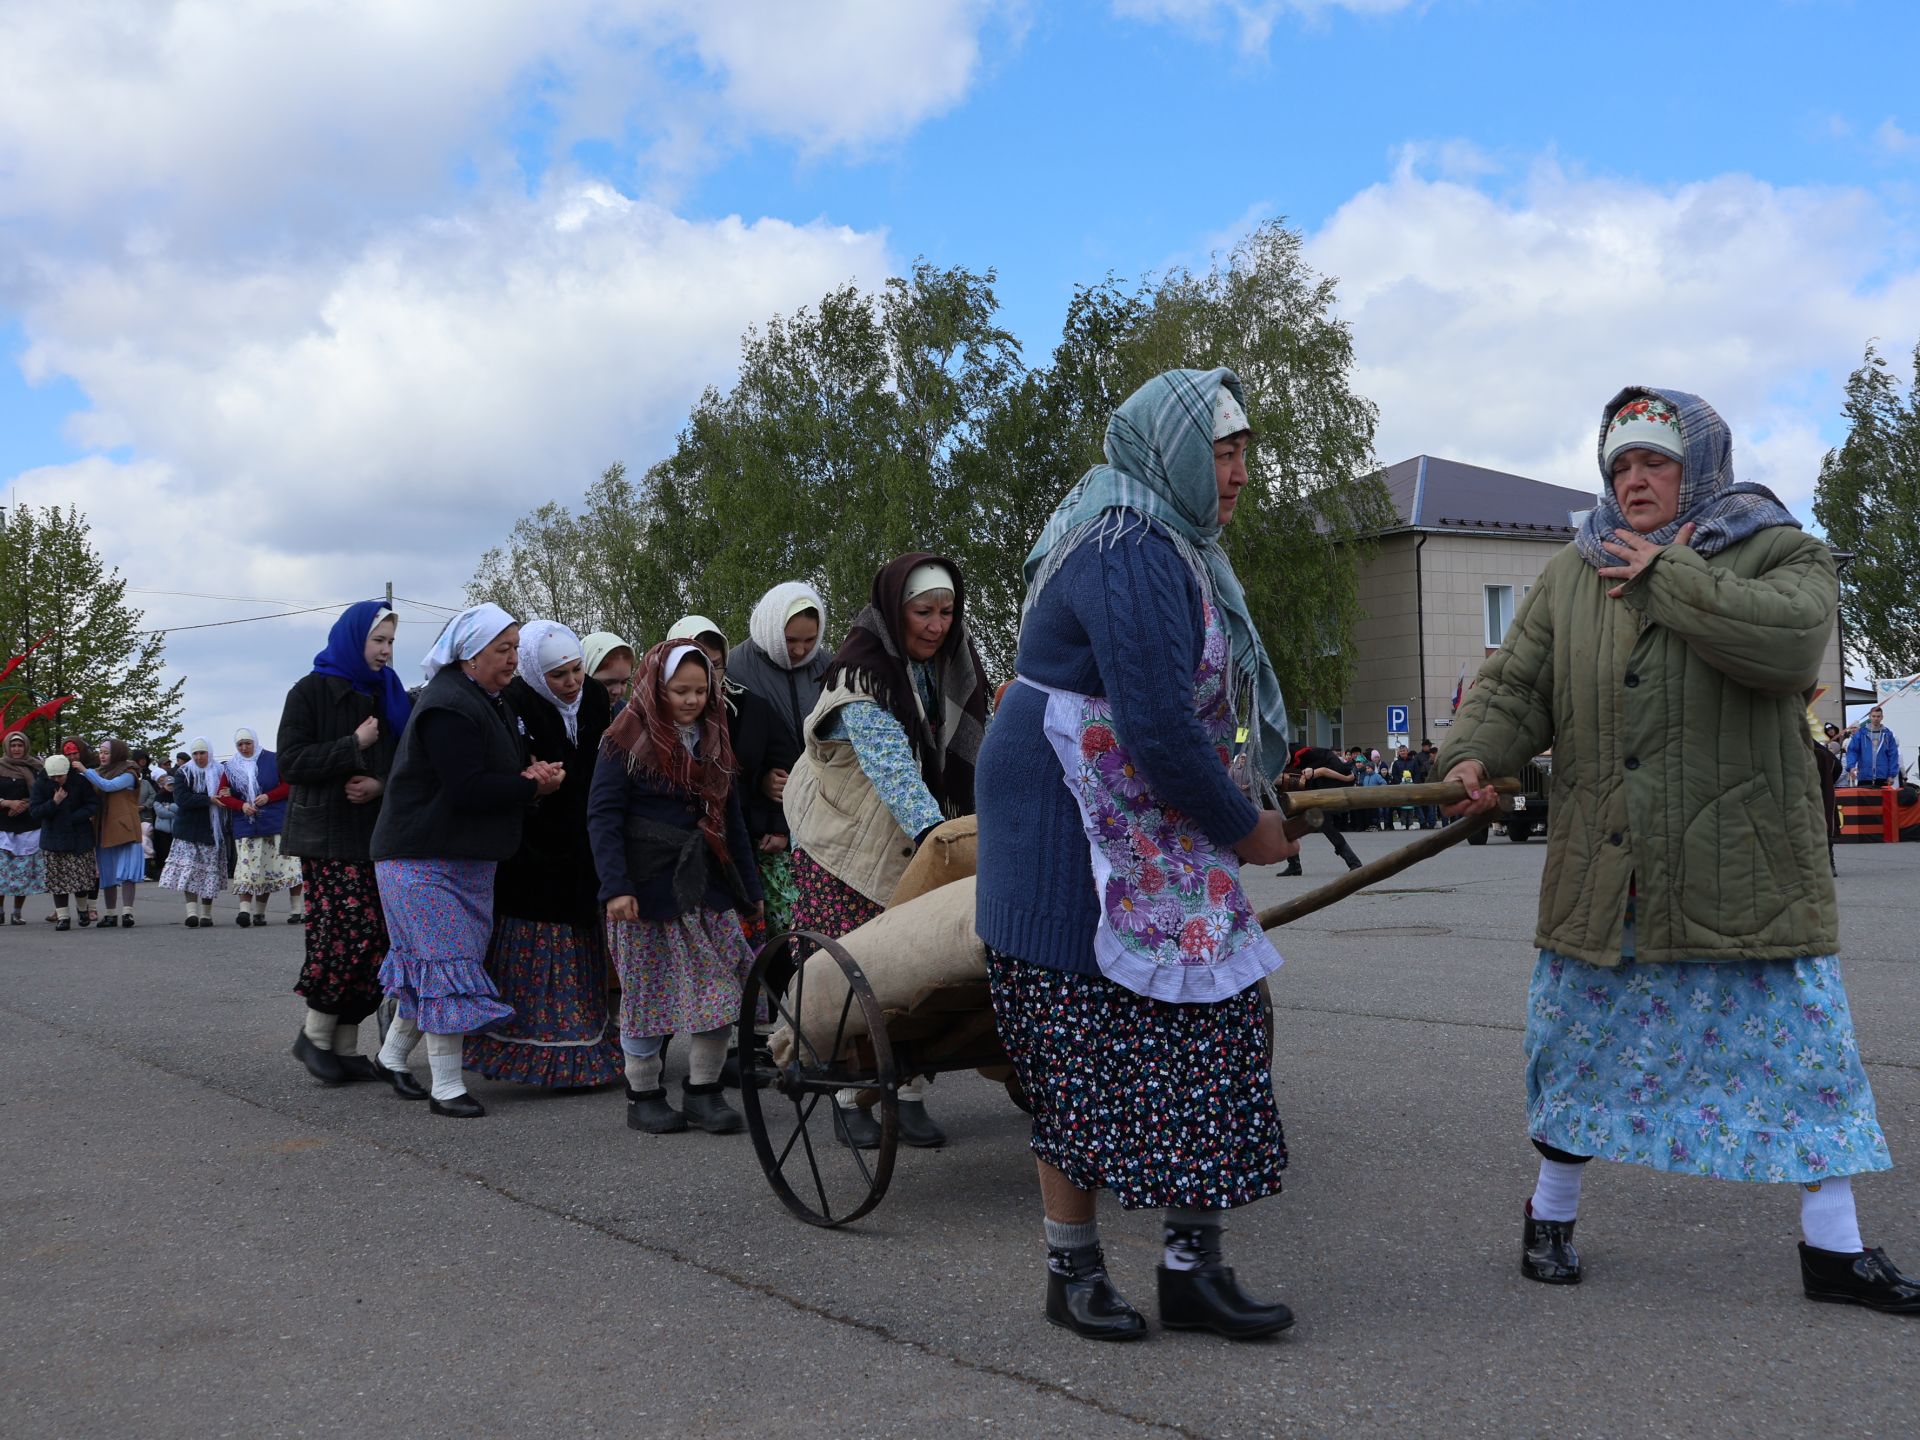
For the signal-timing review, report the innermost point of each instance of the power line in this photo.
(244, 620)
(196, 595)
(450, 609)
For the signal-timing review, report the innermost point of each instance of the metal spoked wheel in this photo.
(797, 1129)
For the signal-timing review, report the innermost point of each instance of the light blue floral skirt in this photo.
(1744, 1071)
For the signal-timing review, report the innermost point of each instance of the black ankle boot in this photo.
(648, 1110)
(1546, 1251)
(1293, 867)
(1207, 1297)
(1081, 1298)
(706, 1106)
(1865, 1277)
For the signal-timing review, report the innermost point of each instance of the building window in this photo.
(1499, 613)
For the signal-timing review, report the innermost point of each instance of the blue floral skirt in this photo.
(1160, 1103)
(439, 917)
(561, 1036)
(1745, 1071)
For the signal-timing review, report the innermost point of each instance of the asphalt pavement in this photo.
(197, 1240)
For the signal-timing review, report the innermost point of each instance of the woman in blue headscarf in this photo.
(1115, 813)
(337, 737)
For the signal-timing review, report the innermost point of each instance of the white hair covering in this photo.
(1228, 416)
(768, 626)
(600, 644)
(56, 765)
(466, 635)
(692, 627)
(547, 645)
(925, 579)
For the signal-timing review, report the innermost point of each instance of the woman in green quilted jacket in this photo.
(1687, 1011)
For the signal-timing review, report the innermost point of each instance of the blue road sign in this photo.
(1397, 719)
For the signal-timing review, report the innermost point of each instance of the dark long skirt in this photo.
(561, 1034)
(826, 904)
(1161, 1104)
(346, 937)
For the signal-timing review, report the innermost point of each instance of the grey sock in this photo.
(1064, 1236)
(1191, 1237)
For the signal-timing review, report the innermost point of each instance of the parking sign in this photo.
(1397, 719)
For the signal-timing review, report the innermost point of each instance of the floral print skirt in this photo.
(261, 869)
(561, 1035)
(1160, 1103)
(23, 874)
(71, 874)
(194, 869)
(346, 939)
(826, 904)
(121, 864)
(440, 918)
(1745, 1070)
(776, 884)
(680, 976)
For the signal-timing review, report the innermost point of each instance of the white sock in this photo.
(397, 1048)
(193, 908)
(298, 901)
(259, 907)
(60, 913)
(206, 908)
(914, 1088)
(706, 1055)
(643, 1072)
(1827, 1218)
(1556, 1196)
(443, 1058)
(346, 1038)
(319, 1028)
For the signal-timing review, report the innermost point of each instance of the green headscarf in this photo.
(1159, 471)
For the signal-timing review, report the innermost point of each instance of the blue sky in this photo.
(363, 283)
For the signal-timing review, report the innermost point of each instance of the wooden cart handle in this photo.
(1386, 797)
(1373, 871)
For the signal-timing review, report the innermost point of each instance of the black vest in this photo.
(418, 820)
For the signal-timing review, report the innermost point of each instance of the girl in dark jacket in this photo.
(23, 869)
(676, 871)
(548, 956)
(64, 805)
(338, 734)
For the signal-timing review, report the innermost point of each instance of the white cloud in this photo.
(290, 117)
(1251, 21)
(311, 431)
(1893, 141)
(1491, 328)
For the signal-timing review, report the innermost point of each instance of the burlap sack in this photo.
(920, 957)
(949, 854)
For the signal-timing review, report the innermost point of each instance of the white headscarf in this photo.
(466, 635)
(547, 645)
(692, 627)
(204, 778)
(600, 644)
(244, 770)
(767, 627)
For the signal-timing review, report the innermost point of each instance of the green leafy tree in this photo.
(874, 424)
(52, 584)
(1868, 501)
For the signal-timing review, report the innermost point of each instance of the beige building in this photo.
(1439, 592)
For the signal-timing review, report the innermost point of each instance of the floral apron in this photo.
(1175, 924)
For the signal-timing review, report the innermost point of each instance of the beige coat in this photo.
(835, 814)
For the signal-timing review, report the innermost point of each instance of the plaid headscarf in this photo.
(644, 736)
(1722, 511)
(1159, 470)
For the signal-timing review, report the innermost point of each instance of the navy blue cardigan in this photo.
(1121, 621)
(619, 792)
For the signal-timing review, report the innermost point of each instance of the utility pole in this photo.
(389, 595)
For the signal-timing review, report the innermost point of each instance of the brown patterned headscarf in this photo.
(23, 765)
(646, 737)
(119, 760)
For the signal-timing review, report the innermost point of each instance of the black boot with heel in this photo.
(1081, 1297)
(1206, 1296)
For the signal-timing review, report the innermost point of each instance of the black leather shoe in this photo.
(1081, 1297)
(243, 919)
(126, 922)
(1547, 1253)
(917, 1128)
(299, 919)
(60, 925)
(1293, 867)
(402, 1081)
(112, 922)
(357, 1067)
(461, 1107)
(323, 1065)
(1865, 1278)
(1207, 1297)
(855, 1128)
(20, 919)
(85, 919)
(706, 1106)
(193, 922)
(648, 1110)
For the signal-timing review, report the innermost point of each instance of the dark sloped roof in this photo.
(1431, 493)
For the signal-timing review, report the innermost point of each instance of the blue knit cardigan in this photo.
(1122, 621)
